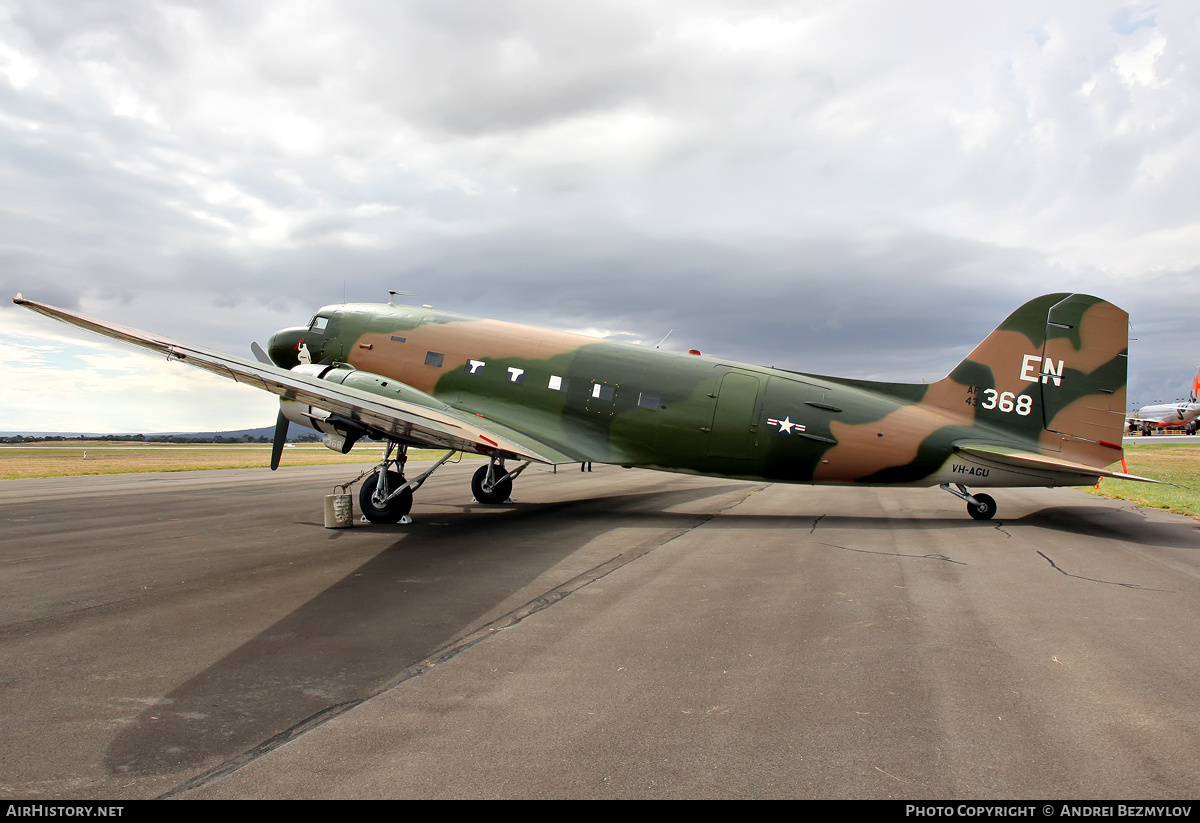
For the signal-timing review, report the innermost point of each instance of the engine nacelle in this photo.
(340, 433)
(340, 438)
(320, 371)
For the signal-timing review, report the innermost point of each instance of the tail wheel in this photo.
(984, 507)
(392, 510)
(497, 491)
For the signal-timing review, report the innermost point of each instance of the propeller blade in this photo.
(260, 354)
(281, 430)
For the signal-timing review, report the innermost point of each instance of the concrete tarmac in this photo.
(611, 634)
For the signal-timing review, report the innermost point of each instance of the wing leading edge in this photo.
(418, 418)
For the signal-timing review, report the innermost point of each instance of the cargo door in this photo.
(734, 421)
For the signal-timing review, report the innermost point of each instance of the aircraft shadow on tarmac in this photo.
(443, 575)
(1110, 520)
(1127, 524)
(446, 572)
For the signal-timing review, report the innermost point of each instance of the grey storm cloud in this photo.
(862, 188)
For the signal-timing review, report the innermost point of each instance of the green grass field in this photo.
(84, 458)
(1177, 463)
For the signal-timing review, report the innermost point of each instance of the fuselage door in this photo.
(322, 338)
(734, 424)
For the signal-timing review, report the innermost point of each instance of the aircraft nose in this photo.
(283, 347)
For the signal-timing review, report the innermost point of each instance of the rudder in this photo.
(1054, 372)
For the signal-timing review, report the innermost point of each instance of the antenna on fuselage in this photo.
(664, 340)
(392, 295)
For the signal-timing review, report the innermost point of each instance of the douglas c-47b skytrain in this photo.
(1040, 402)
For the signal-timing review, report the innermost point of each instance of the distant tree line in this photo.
(153, 438)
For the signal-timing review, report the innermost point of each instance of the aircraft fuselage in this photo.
(609, 402)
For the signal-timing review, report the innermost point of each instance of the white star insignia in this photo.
(785, 425)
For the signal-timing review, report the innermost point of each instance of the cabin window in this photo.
(318, 324)
(396, 339)
(602, 392)
(516, 375)
(433, 358)
(475, 366)
(649, 401)
(558, 383)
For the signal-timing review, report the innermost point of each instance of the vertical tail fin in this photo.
(1054, 374)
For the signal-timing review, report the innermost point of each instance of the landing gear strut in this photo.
(493, 483)
(385, 496)
(979, 506)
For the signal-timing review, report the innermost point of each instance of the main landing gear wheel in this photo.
(497, 490)
(392, 510)
(984, 509)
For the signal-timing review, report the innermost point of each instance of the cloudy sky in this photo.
(855, 187)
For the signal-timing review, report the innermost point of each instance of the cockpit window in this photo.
(318, 324)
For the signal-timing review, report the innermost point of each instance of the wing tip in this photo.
(19, 300)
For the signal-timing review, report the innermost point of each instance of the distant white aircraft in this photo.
(1148, 418)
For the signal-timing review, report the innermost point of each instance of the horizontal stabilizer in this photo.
(1039, 462)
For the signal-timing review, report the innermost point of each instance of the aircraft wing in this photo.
(1028, 460)
(419, 418)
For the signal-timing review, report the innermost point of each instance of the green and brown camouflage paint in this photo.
(1050, 380)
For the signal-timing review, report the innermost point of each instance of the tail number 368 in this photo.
(1007, 402)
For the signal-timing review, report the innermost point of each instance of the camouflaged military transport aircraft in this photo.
(1040, 402)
